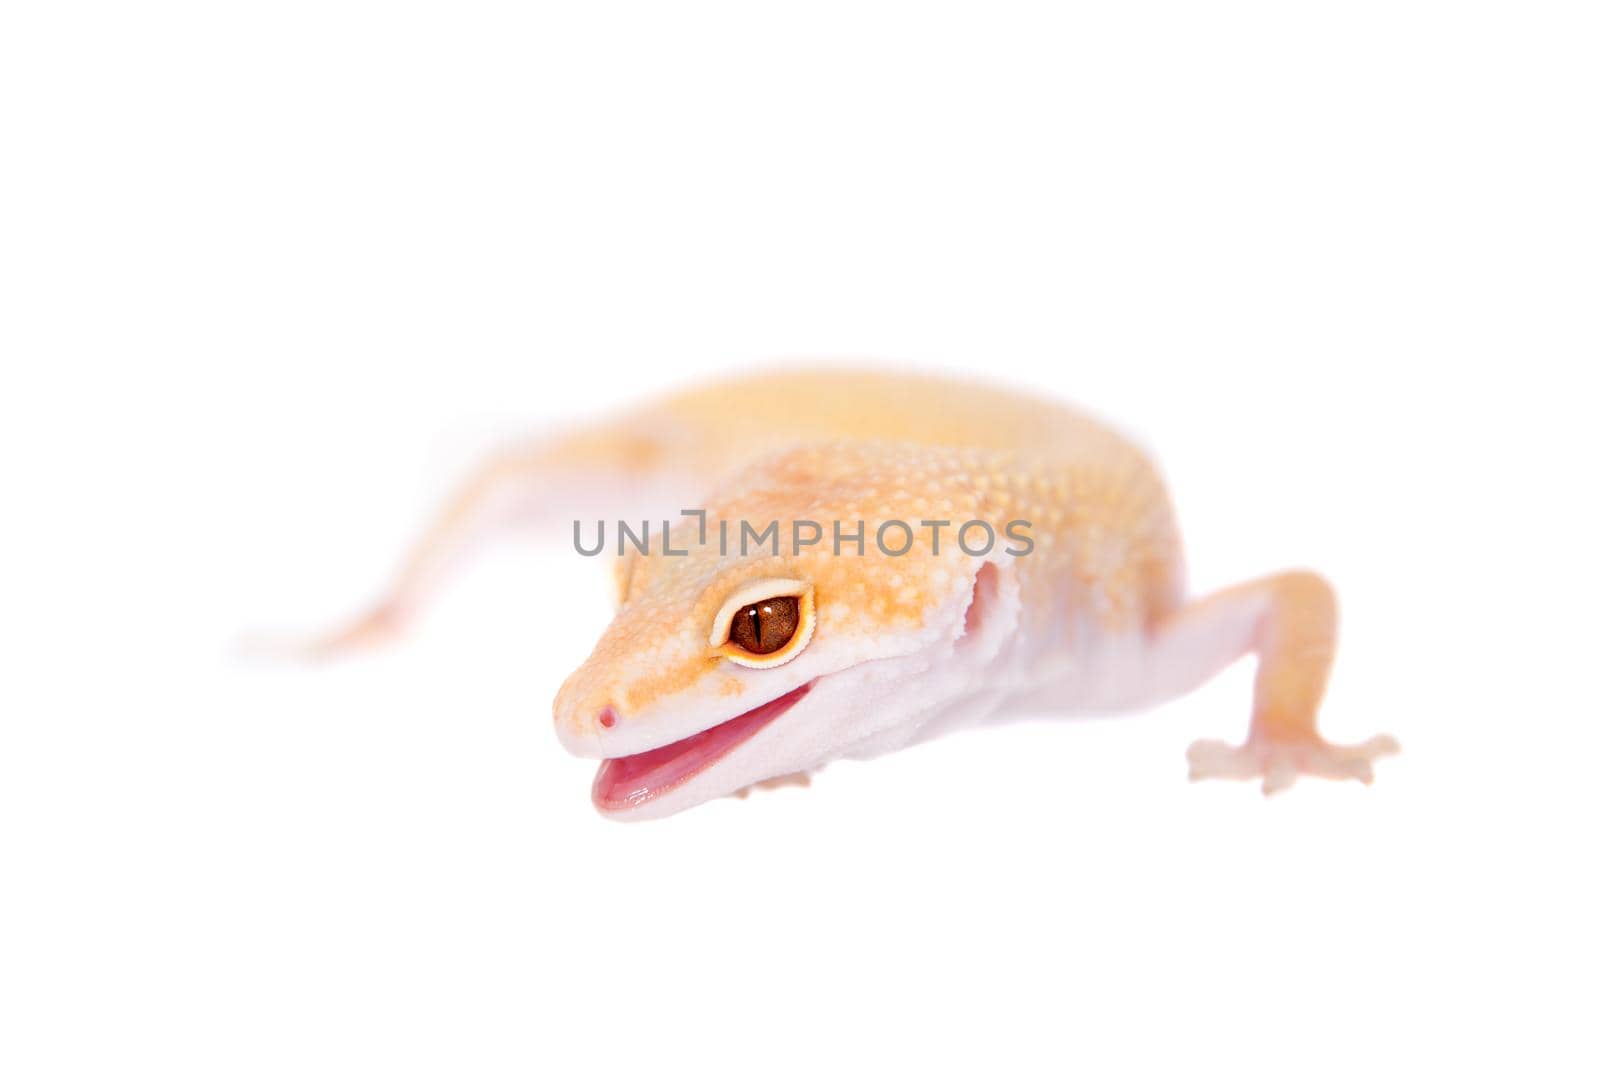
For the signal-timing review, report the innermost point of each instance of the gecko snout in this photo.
(585, 716)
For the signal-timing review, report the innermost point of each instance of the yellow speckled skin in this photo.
(1094, 614)
(874, 447)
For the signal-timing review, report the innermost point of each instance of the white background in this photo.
(273, 274)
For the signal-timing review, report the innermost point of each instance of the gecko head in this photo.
(724, 668)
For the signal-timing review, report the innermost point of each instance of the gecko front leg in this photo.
(1290, 621)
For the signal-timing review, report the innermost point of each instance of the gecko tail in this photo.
(530, 480)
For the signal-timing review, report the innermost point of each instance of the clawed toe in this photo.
(1278, 763)
(796, 778)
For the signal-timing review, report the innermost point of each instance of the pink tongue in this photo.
(629, 781)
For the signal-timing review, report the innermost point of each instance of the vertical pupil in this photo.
(766, 627)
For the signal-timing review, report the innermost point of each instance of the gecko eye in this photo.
(764, 628)
(765, 624)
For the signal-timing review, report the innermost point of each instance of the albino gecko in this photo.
(729, 665)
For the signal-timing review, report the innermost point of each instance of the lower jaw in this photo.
(630, 784)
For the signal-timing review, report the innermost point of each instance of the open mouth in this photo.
(628, 781)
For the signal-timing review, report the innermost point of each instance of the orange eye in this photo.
(766, 627)
(767, 623)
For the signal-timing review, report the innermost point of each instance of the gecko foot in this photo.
(1278, 761)
(799, 778)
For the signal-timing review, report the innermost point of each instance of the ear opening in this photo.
(981, 609)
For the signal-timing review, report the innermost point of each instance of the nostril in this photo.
(608, 717)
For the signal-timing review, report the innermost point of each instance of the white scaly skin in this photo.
(1095, 616)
